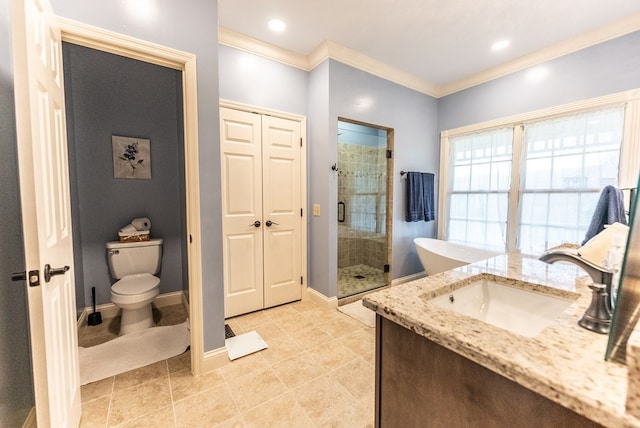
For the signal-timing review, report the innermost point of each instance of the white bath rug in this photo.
(132, 351)
(356, 311)
(244, 344)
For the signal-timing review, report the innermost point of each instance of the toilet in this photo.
(134, 265)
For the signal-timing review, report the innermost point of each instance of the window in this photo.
(480, 176)
(565, 164)
(531, 182)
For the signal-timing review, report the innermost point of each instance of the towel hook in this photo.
(334, 167)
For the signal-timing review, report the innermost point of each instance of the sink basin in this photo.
(518, 310)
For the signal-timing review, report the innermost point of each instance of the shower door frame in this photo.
(388, 210)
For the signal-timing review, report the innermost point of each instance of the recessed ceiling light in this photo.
(498, 46)
(277, 25)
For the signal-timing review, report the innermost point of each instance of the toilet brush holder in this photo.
(94, 318)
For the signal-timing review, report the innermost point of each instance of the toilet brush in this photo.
(94, 318)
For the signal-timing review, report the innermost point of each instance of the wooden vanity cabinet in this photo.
(422, 384)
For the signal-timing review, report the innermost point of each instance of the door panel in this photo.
(282, 204)
(261, 182)
(241, 151)
(46, 211)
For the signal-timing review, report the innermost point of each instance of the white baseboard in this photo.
(109, 310)
(214, 360)
(31, 421)
(408, 278)
(322, 300)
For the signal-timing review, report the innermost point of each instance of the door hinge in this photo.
(190, 239)
(301, 280)
(300, 141)
(301, 215)
(387, 268)
(389, 153)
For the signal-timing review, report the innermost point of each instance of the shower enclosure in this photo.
(364, 199)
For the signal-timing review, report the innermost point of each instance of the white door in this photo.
(262, 220)
(46, 212)
(282, 216)
(241, 164)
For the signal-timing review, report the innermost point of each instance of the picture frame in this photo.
(131, 157)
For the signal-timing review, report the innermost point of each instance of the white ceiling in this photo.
(438, 41)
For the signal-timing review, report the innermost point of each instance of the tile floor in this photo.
(359, 278)
(317, 372)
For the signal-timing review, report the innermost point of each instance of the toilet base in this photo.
(136, 319)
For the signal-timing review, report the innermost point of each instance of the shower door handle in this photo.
(341, 215)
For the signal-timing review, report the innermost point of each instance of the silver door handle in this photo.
(49, 272)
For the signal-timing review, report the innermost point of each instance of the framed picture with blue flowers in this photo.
(131, 157)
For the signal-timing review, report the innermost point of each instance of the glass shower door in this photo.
(363, 201)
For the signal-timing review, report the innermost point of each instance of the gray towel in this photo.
(609, 209)
(420, 204)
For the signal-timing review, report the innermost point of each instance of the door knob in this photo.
(49, 272)
(256, 223)
(269, 223)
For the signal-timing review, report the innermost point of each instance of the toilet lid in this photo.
(136, 284)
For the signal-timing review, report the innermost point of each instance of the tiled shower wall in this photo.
(362, 184)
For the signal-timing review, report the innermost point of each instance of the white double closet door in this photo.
(262, 210)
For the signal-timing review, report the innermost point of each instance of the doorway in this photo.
(365, 166)
(184, 62)
(110, 95)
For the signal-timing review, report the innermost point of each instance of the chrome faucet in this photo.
(598, 316)
(599, 274)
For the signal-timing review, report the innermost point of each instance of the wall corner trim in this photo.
(212, 360)
(30, 421)
(322, 300)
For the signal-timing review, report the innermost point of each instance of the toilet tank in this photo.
(130, 258)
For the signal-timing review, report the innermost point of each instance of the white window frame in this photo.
(629, 167)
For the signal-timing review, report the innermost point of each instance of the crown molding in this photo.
(243, 42)
(332, 50)
(326, 50)
(355, 59)
(609, 32)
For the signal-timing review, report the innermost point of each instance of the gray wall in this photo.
(603, 69)
(330, 90)
(16, 387)
(174, 24)
(257, 81)
(361, 96)
(109, 95)
(322, 241)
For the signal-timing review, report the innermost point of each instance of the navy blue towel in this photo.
(609, 209)
(420, 196)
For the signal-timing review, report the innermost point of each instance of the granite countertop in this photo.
(564, 362)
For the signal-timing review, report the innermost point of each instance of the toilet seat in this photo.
(132, 285)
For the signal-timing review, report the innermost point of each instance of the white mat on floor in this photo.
(357, 311)
(132, 351)
(244, 344)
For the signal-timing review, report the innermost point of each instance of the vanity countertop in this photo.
(564, 363)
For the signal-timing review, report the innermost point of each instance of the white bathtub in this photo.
(438, 256)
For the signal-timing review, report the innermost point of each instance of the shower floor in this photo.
(359, 278)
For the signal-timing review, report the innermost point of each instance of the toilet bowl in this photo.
(134, 265)
(134, 294)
